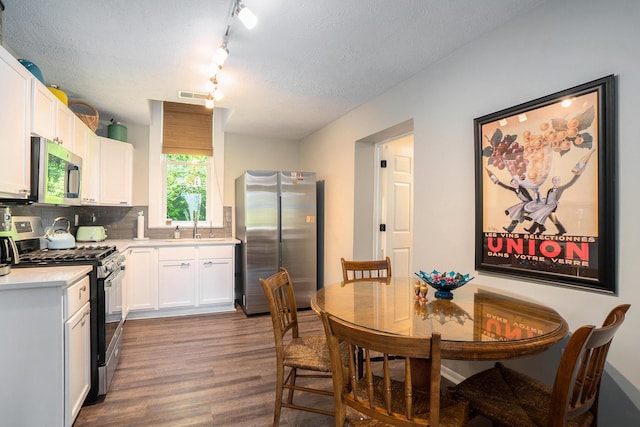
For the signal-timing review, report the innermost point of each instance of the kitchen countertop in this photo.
(123, 244)
(43, 277)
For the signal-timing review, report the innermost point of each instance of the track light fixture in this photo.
(246, 16)
(208, 103)
(221, 54)
(249, 20)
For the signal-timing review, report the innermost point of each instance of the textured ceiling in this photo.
(305, 64)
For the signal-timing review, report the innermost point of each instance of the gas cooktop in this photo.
(76, 254)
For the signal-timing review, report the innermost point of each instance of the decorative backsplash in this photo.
(120, 222)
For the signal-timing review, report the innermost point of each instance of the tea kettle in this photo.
(59, 238)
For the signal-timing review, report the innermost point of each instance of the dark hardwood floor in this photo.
(206, 370)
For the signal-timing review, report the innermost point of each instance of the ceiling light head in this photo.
(221, 55)
(246, 16)
(208, 103)
(217, 94)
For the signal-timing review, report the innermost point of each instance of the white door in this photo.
(396, 204)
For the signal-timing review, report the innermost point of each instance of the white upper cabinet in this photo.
(87, 146)
(51, 119)
(15, 82)
(116, 172)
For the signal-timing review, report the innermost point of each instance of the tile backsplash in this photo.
(120, 222)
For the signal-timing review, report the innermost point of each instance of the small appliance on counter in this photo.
(8, 250)
(91, 233)
(59, 238)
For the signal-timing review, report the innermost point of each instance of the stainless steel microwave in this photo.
(56, 173)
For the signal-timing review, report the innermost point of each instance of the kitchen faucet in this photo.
(195, 225)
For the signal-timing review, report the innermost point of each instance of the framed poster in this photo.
(545, 188)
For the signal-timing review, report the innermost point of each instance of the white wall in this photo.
(557, 46)
(248, 152)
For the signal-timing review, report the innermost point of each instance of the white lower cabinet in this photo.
(46, 350)
(77, 361)
(176, 277)
(142, 278)
(188, 280)
(215, 272)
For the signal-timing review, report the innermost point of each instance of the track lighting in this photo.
(208, 103)
(249, 20)
(221, 54)
(246, 16)
(217, 94)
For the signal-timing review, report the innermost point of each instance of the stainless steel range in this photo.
(105, 296)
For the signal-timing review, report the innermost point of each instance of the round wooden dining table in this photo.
(479, 323)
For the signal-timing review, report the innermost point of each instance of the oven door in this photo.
(114, 322)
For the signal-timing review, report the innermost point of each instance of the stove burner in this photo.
(73, 255)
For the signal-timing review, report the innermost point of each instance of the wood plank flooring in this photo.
(206, 370)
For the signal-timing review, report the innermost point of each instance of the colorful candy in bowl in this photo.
(444, 283)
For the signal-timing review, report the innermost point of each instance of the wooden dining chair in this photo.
(378, 399)
(294, 352)
(510, 398)
(364, 270)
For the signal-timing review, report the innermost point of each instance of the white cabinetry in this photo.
(87, 146)
(126, 284)
(182, 280)
(177, 274)
(215, 273)
(50, 118)
(116, 171)
(77, 349)
(45, 354)
(15, 144)
(142, 277)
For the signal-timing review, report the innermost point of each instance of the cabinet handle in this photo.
(208, 263)
(24, 191)
(185, 264)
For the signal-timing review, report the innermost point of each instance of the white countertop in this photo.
(42, 277)
(134, 243)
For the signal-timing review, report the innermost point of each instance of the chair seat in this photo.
(308, 352)
(514, 399)
(451, 413)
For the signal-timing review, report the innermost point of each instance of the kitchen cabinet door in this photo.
(15, 87)
(116, 172)
(65, 121)
(77, 362)
(91, 170)
(176, 284)
(50, 118)
(125, 286)
(43, 111)
(215, 281)
(142, 276)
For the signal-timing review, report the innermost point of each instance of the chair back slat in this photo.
(577, 382)
(364, 270)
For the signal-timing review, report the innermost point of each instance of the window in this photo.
(179, 182)
(186, 178)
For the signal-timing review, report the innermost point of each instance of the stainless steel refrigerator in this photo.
(276, 224)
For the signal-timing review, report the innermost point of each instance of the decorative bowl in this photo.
(444, 283)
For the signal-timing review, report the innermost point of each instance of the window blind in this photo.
(187, 129)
